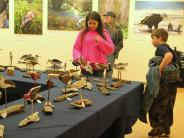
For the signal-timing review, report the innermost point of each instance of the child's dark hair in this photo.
(94, 16)
(160, 33)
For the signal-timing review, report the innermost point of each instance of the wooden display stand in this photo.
(11, 110)
(34, 117)
(1, 131)
(10, 71)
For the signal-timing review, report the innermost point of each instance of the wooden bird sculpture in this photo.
(55, 64)
(85, 64)
(11, 109)
(35, 76)
(54, 61)
(120, 67)
(119, 82)
(79, 84)
(29, 60)
(4, 83)
(34, 116)
(33, 96)
(47, 108)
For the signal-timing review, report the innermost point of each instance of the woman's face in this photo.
(92, 24)
(108, 19)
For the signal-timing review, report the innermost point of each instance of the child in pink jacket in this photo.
(93, 43)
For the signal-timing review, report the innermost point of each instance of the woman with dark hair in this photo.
(93, 43)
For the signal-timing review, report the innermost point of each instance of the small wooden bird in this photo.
(54, 61)
(6, 83)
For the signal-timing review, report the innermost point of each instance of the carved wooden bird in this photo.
(31, 94)
(35, 75)
(79, 84)
(75, 63)
(54, 61)
(29, 57)
(101, 66)
(65, 78)
(120, 66)
(24, 57)
(6, 83)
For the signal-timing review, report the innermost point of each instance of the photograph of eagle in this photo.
(153, 20)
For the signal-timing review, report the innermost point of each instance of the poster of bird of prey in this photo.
(28, 16)
(121, 10)
(4, 13)
(68, 15)
(150, 15)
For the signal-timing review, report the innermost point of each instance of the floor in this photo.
(140, 129)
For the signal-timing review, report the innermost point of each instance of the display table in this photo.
(109, 116)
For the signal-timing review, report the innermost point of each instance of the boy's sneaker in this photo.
(156, 132)
(167, 131)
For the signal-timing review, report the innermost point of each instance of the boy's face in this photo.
(156, 41)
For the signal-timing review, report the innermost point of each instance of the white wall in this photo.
(58, 44)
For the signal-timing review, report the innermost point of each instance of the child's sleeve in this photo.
(77, 47)
(106, 46)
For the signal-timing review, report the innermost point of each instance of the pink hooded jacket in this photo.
(92, 50)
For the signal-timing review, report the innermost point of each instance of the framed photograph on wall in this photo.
(121, 10)
(28, 16)
(150, 15)
(4, 13)
(68, 15)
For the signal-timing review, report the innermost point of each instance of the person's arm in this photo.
(77, 47)
(166, 60)
(106, 46)
(119, 40)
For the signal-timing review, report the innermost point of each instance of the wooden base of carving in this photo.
(117, 84)
(104, 90)
(53, 75)
(23, 69)
(2, 69)
(65, 96)
(52, 71)
(47, 108)
(81, 103)
(1, 131)
(34, 117)
(11, 110)
(69, 90)
(10, 71)
(28, 74)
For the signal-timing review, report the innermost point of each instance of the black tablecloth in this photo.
(109, 116)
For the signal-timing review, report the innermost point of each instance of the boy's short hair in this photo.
(160, 33)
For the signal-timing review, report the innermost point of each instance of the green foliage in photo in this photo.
(22, 7)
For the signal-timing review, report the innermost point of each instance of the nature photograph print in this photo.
(4, 13)
(28, 16)
(120, 8)
(68, 15)
(150, 15)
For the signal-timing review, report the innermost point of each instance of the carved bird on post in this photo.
(6, 83)
(54, 61)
